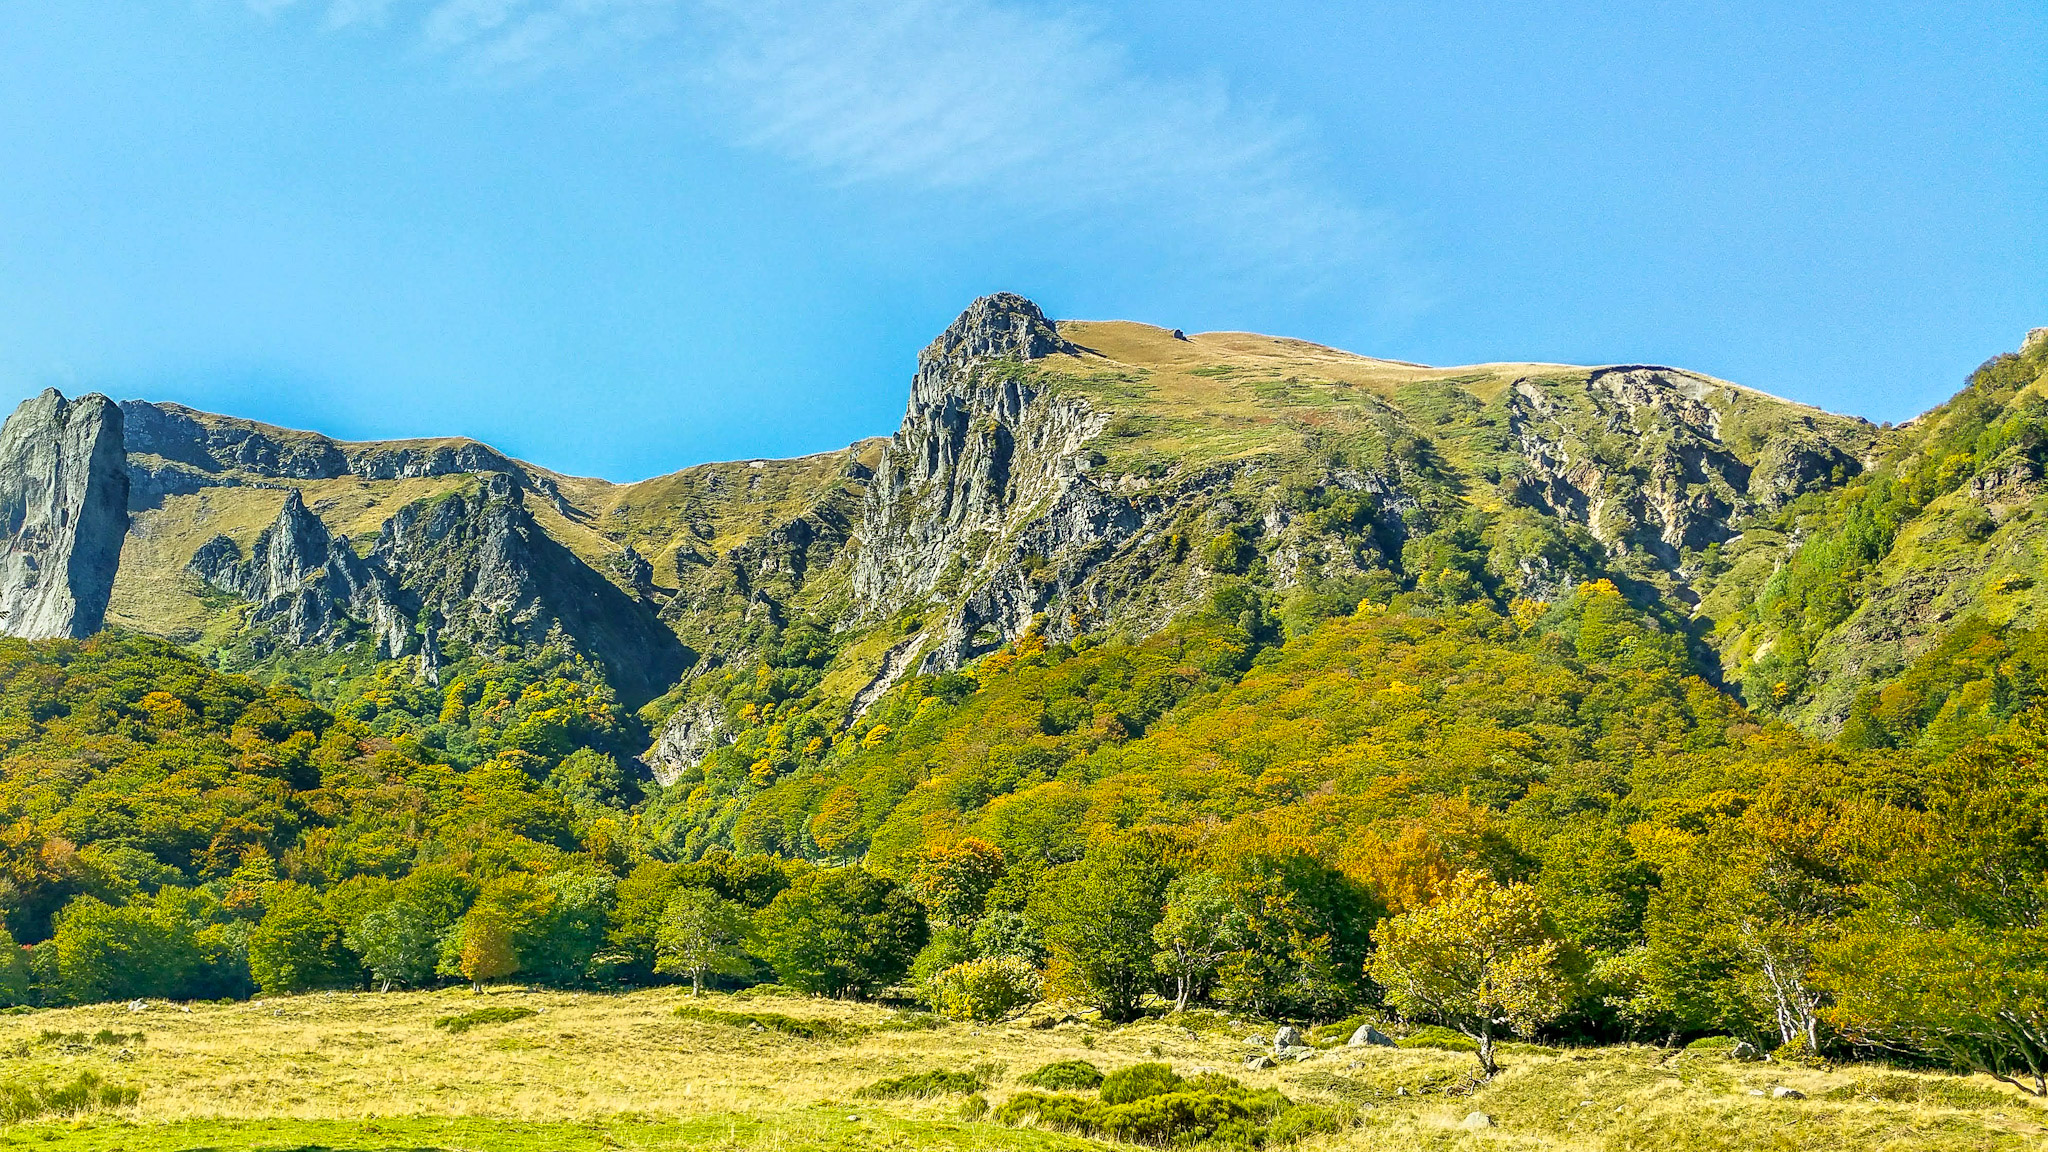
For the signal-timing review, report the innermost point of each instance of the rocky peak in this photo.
(63, 514)
(1003, 326)
(974, 446)
(308, 585)
(2036, 337)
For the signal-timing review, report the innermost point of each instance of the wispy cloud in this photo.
(1033, 111)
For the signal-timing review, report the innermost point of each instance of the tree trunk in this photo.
(1180, 1000)
(1485, 1039)
(697, 982)
(477, 986)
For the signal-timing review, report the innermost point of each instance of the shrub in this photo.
(1220, 1111)
(1138, 1082)
(86, 1092)
(1065, 1076)
(481, 1016)
(1946, 1092)
(938, 1082)
(1437, 1036)
(974, 1107)
(985, 989)
(771, 1021)
(1713, 1044)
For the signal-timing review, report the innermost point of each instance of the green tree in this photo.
(841, 932)
(1198, 930)
(1303, 932)
(399, 943)
(298, 944)
(14, 972)
(954, 881)
(701, 935)
(1949, 957)
(1974, 997)
(1097, 915)
(485, 949)
(1480, 959)
(105, 952)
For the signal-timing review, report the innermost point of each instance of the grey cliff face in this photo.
(481, 570)
(690, 733)
(1663, 480)
(983, 469)
(63, 514)
(472, 567)
(309, 586)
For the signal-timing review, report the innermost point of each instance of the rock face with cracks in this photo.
(63, 514)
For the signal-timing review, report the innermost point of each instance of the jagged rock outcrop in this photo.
(692, 732)
(63, 514)
(985, 471)
(1638, 455)
(472, 567)
(482, 571)
(308, 586)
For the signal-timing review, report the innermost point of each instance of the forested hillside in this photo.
(1137, 669)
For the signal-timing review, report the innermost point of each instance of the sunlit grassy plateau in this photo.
(585, 1070)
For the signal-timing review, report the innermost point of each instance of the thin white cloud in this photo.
(1034, 111)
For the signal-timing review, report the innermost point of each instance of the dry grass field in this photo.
(367, 1071)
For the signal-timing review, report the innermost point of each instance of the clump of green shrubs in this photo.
(769, 1021)
(1439, 1037)
(1151, 1104)
(1944, 1092)
(1065, 1076)
(86, 1092)
(105, 1037)
(985, 989)
(938, 1082)
(463, 1022)
(1139, 1081)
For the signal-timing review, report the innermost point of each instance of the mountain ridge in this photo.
(1051, 477)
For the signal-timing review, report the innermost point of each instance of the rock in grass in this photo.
(1476, 1121)
(1258, 1061)
(1368, 1036)
(1783, 1093)
(1288, 1037)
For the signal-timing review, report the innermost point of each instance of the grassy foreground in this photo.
(365, 1071)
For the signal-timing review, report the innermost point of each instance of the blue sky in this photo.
(617, 237)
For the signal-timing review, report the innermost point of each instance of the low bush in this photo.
(1213, 1110)
(86, 1092)
(105, 1037)
(1713, 1044)
(986, 989)
(463, 1022)
(770, 1021)
(974, 1107)
(938, 1082)
(1943, 1093)
(1439, 1037)
(1138, 1082)
(907, 1022)
(1065, 1076)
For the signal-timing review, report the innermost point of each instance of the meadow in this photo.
(546, 1069)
